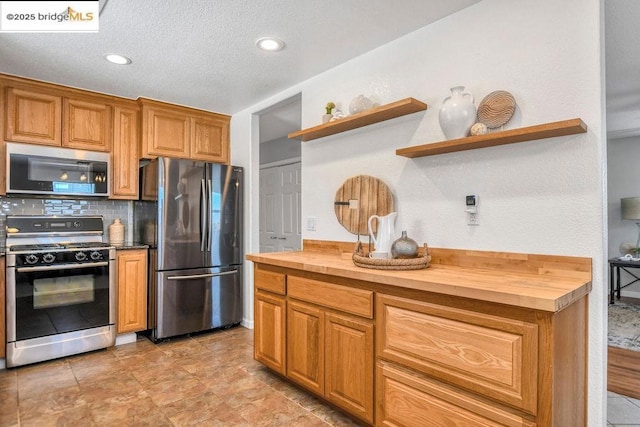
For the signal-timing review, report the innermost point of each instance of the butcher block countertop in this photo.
(540, 282)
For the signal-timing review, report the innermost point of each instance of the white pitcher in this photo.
(386, 232)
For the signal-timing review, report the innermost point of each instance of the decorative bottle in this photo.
(404, 247)
(116, 233)
(457, 113)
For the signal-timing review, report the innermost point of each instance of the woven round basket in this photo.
(392, 264)
(496, 109)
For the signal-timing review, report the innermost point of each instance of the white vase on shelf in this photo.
(457, 113)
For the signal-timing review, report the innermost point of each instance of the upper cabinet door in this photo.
(181, 132)
(87, 125)
(33, 117)
(165, 132)
(210, 138)
(124, 158)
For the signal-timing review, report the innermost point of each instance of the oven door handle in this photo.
(61, 267)
(202, 276)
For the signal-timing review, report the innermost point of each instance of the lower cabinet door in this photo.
(269, 331)
(409, 399)
(349, 364)
(305, 345)
(132, 290)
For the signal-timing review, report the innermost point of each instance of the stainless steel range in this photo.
(61, 288)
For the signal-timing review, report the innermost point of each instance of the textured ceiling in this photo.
(202, 53)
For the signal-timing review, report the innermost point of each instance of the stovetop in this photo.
(48, 240)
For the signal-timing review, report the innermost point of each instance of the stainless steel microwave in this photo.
(51, 171)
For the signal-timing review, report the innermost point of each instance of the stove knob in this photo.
(48, 258)
(81, 256)
(96, 255)
(31, 259)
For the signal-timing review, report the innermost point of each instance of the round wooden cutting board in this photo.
(358, 198)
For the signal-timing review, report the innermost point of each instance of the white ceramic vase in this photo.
(359, 104)
(457, 113)
(116, 233)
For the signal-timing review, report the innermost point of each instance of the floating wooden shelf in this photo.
(368, 117)
(531, 133)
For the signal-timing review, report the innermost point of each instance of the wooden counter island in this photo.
(477, 338)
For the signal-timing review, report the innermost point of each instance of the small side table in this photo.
(615, 265)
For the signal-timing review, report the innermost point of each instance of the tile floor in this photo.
(209, 379)
(622, 411)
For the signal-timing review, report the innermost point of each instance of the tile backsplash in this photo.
(108, 209)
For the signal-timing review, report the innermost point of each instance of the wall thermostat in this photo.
(472, 203)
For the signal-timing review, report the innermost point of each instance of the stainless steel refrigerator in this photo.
(197, 282)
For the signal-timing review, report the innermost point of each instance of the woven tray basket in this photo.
(417, 263)
(496, 109)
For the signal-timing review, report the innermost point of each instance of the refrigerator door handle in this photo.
(203, 214)
(201, 276)
(210, 218)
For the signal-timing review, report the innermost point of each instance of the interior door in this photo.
(280, 208)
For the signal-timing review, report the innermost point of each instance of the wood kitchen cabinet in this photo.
(459, 343)
(410, 399)
(331, 354)
(33, 117)
(305, 345)
(47, 114)
(132, 290)
(124, 155)
(269, 341)
(495, 357)
(175, 131)
(324, 339)
(330, 342)
(87, 124)
(43, 117)
(348, 362)
(3, 316)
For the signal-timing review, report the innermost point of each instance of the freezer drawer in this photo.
(196, 300)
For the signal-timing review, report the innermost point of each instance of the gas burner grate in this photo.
(36, 247)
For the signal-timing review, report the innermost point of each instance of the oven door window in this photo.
(56, 301)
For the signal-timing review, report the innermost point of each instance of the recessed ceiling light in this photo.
(117, 59)
(270, 43)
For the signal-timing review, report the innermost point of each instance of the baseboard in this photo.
(126, 338)
(630, 294)
(3, 364)
(247, 323)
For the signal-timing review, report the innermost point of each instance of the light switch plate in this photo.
(311, 223)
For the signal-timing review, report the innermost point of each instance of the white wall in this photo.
(623, 181)
(543, 196)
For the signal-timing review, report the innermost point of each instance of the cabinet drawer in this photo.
(343, 298)
(270, 281)
(409, 399)
(492, 356)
